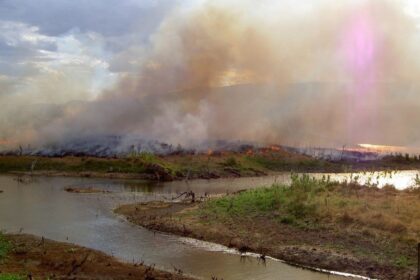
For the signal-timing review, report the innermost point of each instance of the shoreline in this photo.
(175, 218)
(190, 167)
(40, 258)
(151, 178)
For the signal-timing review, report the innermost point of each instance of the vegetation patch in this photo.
(5, 247)
(190, 165)
(288, 204)
(347, 227)
(7, 276)
(378, 224)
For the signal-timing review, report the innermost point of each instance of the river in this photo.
(40, 206)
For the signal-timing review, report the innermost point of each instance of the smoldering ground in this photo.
(316, 73)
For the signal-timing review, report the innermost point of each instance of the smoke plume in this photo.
(322, 73)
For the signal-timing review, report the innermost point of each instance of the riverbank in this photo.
(315, 223)
(192, 166)
(23, 255)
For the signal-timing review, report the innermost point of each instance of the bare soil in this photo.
(302, 247)
(39, 258)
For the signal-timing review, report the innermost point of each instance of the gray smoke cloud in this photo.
(318, 73)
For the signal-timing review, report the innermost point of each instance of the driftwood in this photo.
(189, 194)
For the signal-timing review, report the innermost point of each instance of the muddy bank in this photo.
(45, 259)
(85, 190)
(296, 246)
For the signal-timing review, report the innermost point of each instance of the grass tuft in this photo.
(5, 246)
(288, 203)
(6, 276)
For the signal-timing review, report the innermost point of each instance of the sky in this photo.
(48, 36)
(316, 72)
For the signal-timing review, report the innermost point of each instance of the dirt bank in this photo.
(266, 236)
(45, 259)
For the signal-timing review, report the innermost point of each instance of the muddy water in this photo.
(41, 206)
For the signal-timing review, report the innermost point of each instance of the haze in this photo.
(315, 73)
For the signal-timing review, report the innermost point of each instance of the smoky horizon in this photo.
(313, 74)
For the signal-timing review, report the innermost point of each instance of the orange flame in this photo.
(382, 148)
(274, 148)
(5, 142)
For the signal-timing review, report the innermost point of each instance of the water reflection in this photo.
(42, 207)
(400, 179)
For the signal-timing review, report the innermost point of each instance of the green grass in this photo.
(404, 262)
(5, 246)
(278, 163)
(11, 277)
(288, 203)
(145, 157)
(309, 201)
